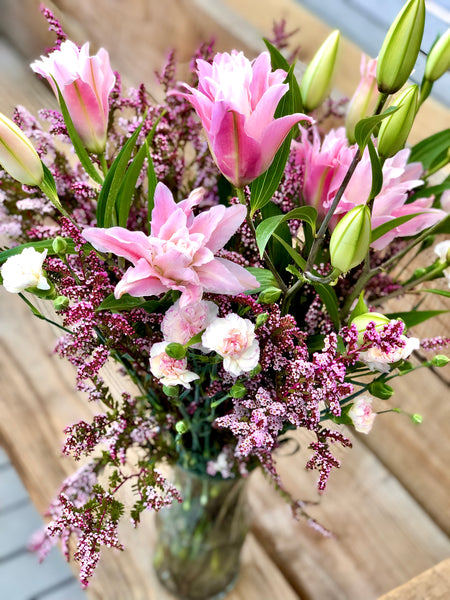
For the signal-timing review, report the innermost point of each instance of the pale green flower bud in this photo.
(350, 239)
(61, 302)
(238, 390)
(59, 245)
(261, 319)
(269, 295)
(17, 154)
(317, 79)
(438, 61)
(361, 322)
(395, 129)
(440, 360)
(380, 390)
(181, 427)
(401, 47)
(175, 350)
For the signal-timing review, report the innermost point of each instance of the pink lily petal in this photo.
(129, 244)
(139, 281)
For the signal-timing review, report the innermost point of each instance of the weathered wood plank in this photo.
(434, 584)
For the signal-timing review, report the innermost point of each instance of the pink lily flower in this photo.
(179, 252)
(236, 101)
(325, 164)
(85, 83)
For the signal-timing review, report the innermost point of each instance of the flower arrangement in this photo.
(228, 255)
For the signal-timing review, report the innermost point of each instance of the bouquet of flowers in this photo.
(229, 255)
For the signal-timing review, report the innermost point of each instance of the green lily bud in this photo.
(181, 427)
(380, 390)
(350, 239)
(394, 130)
(261, 319)
(61, 302)
(175, 350)
(317, 79)
(59, 245)
(440, 360)
(401, 47)
(269, 295)
(438, 61)
(361, 322)
(17, 154)
(238, 390)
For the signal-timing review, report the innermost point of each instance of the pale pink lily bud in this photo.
(17, 154)
(236, 101)
(85, 83)
(365, 97)
(362, 414)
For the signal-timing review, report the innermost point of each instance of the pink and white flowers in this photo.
(85, 83)
(181, 324)
(179, 252)
(169, 371)
(378, 360)
(236, 101)
(24, 270)
(362, 414)
(234, 339)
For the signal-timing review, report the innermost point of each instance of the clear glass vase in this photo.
(199, 541)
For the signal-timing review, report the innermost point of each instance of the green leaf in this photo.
(392, 224)
(360, 308)
(329, 298)
(280, 258)
(127, 302)
(343, 419)
(41, 245)
(277, 60)
(415, 317)
(76, 140)
(442, 227)
(113, 180)
(367, 126)
(444, 293)
(296, 257)
(377, 171)
(267, 227)
(152, 183)
(429, 149)
(128, 186)
(265, 278)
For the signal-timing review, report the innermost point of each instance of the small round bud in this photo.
(238, 390)
(59, 245)
(255, 371)
(261, 319)
(171, 390)
(61, 302)
(440, 360)
(380, 390)
(181, 427)
(269, 295)
(416, 418)
(175, 350)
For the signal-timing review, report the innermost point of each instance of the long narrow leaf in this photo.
(444, 293)
(267, 227)
(152, 183)
(427, 150)
(415, 317)
(265, 279)
(296, 257)
(377, 171)
(76, 140)
(328, 297)
(367, 126)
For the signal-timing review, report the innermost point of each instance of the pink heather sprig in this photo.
(82, 438)
(55, 26)
(435, 343)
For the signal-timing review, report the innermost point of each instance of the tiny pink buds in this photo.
(361, 322)
(17, 154)
(401, 47)
(317, 80)
(236, 101)
(85, 83)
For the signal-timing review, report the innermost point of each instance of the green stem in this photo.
(39, 315)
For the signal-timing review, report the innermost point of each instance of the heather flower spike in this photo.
(395, 129)
(85, 83)
(401, 47)
(236, 101)
(179, 252)
(318, 77)
(17, 154)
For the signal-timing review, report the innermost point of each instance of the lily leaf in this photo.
(415, 317)
(367, 126)
(267, 227)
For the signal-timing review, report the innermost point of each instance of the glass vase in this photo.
(199, 541)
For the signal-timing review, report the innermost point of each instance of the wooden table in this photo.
(389, 504)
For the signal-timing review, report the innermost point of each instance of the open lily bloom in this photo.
(179, 252)
(236, 101)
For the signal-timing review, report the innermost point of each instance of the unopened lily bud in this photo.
(17, 154)
(61, 302)
(59, 245)
(350, 239)
(438, 61)
(361, 322)
(269, 295)
(363, 101)
(175, 350)
(380, 390)
(318, 77)
(395, 129)
(401, 47)
(238, 390)
(440, 360)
